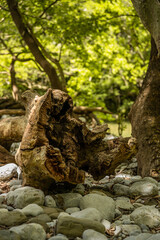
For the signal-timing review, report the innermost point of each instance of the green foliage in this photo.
(102, 47)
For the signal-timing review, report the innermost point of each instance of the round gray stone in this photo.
(143, 188)
(74, 227)
(11, 218)
(59, 237)
(105, 205)
(131, 229)
(24, 196)
(67, 200)
(147, 215)
(88, 213)
(49, 201)
(124, 203)
(7, 235)
(32, 210)
(72, 210)
(32, 231)
(120, 190)
(90, 234)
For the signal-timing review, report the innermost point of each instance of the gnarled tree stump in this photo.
(57, 147)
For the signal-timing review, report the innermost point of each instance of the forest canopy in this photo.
(100, 51)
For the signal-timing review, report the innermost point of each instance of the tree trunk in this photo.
(145, 119)
(15, 93)
(57, 147)
(31, 41)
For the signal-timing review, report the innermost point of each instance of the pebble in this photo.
(120, 190)
(72, 210)
(49, 201)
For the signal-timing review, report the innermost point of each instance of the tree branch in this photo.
(31, 41)
(46, 9)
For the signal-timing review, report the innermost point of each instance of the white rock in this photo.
(106, 223)
(7, 171)
(52, 224)
(117, 230)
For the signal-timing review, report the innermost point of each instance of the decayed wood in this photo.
(17, 112)
(5, 156)
(12, 128)
(57, 147)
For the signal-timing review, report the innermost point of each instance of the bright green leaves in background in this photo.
(102, 47)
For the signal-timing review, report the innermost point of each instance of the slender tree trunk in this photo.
(30, 40)
(13, 79)
(145, 118)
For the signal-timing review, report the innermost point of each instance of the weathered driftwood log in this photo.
(57, 147)
(16, 112)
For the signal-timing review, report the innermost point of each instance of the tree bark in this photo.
(149, 12)
(57, 147)
(32, 44)
(16, 112)
(145, 119)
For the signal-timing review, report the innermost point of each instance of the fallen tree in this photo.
(57, 147)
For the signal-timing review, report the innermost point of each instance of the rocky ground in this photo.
(123, 206)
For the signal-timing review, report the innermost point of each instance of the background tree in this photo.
(145, 113)
(76, 35)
